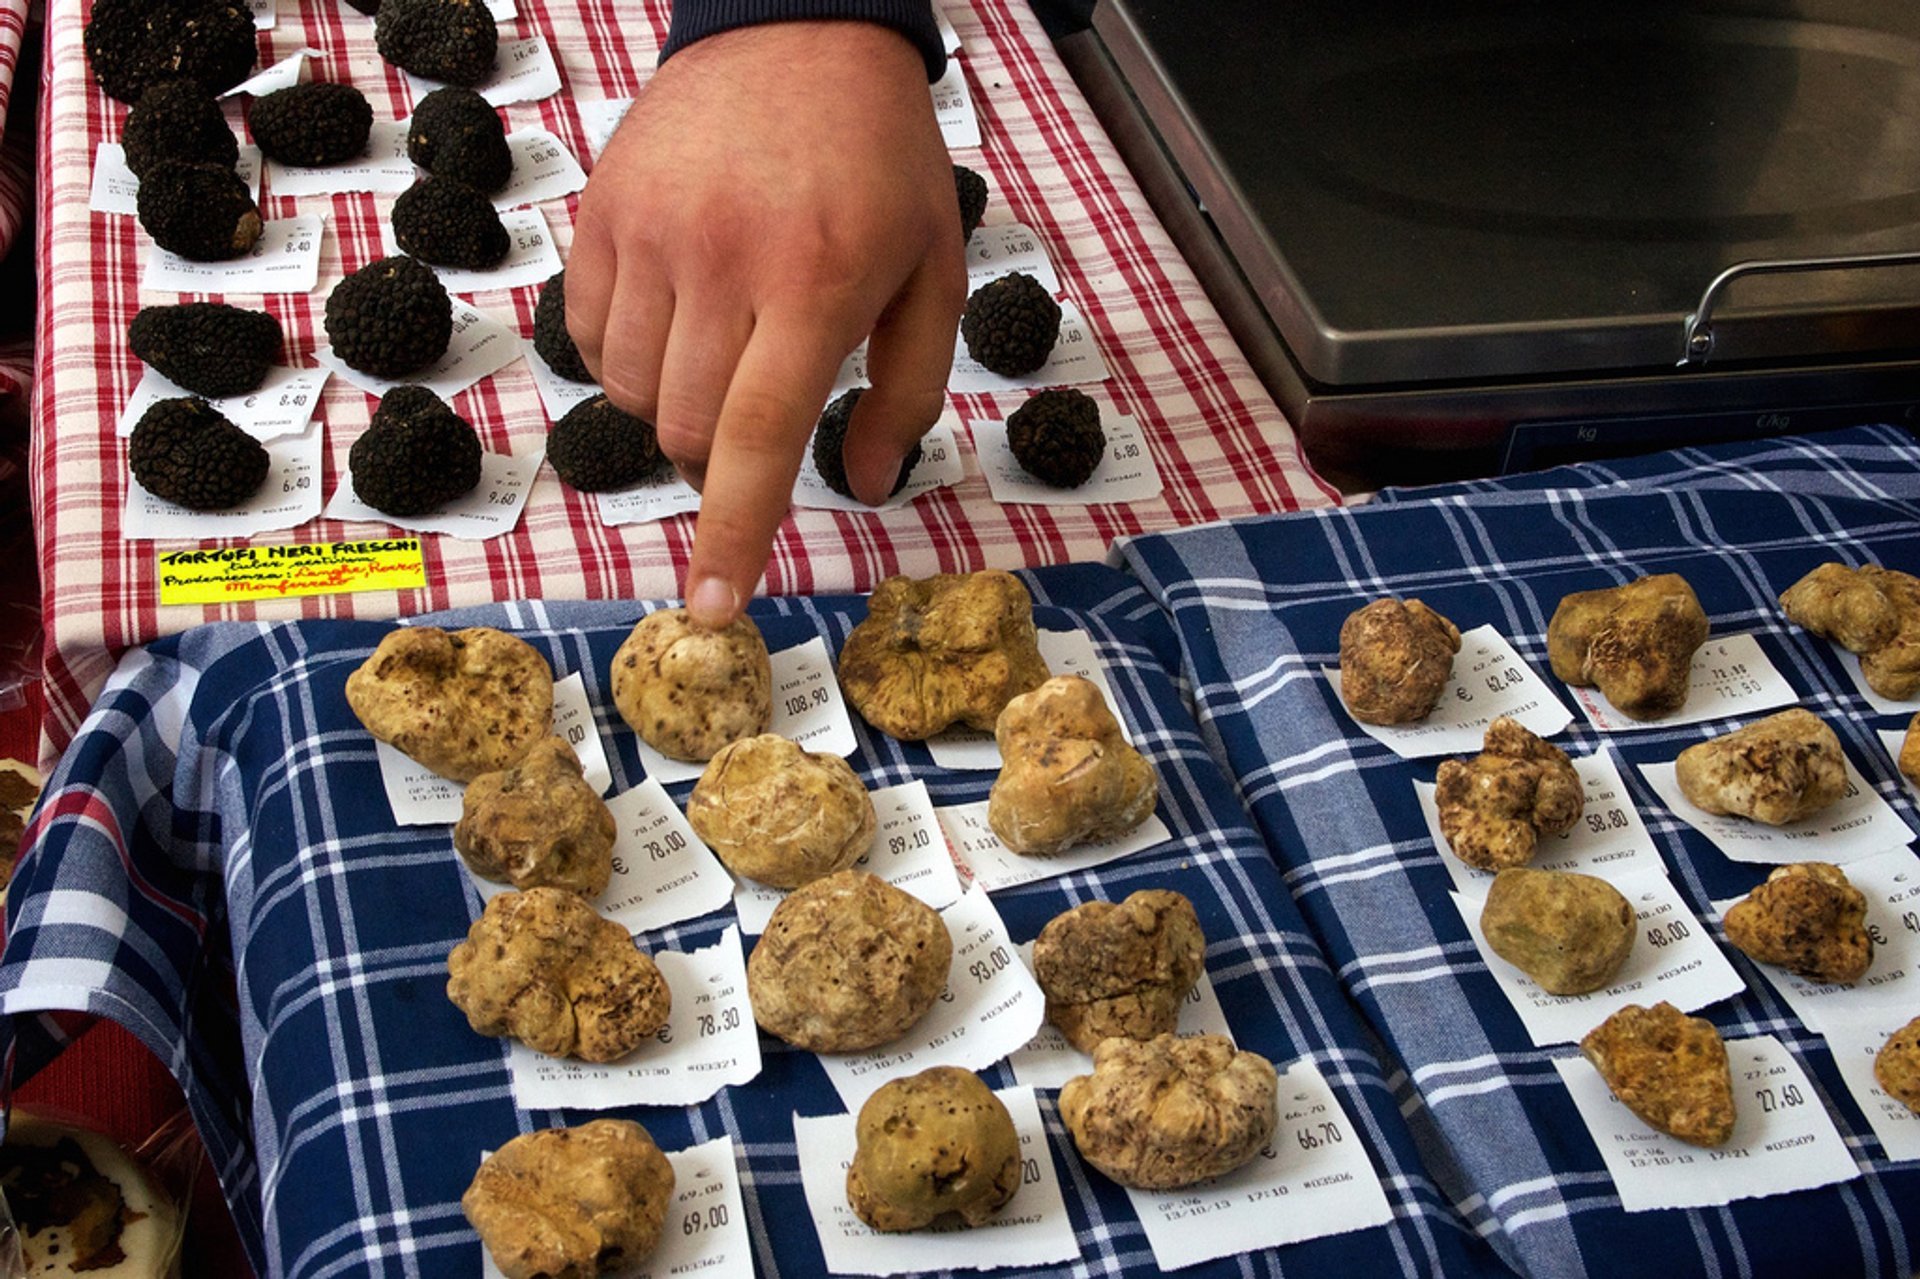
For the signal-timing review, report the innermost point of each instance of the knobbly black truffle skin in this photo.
(312, 124)
(200, 211)
(390, 318)
(550, 336)
(456, 133)
(830, 442)
(972, 190)
(177, 120)
(448, 223)
(135, 44)
(415, 456)
(208, 348)
(597, 448)
(1011, 324)
(452, 41)
(185, 452)
(1056, 437)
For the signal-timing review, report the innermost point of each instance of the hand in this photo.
(775, 195)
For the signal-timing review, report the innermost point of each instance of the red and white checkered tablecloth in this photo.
(1222, 446)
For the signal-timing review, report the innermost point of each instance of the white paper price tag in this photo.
(543, 169)
(1066, 653)
(908, 852)
(1033, 1229)
(995, 866)
(1314, 1180)
(1076, 360)
(990, 1007)
(531, 257)
(265, 14)
(1608, 840)
(491, 509)
(1489, 680)
(807, 709)
(939, 467)
(1891, 884)
(502, 10)
(290, 495)
(949, 38)
(1858, 824)
(419, 796)
(1893, 739)
(573, 722)
(1732, 677)
(1782, 1137)
(1006, 247)
(1673, 958)
(1126, 473)
(282, 405)
(662, 872)
(116, 190)
(1855, 1043)
(599, 117)
(710, 1042)
(283, 74)
(1881, 705)
(383, 167)
(953, 108)
(706, 1226)
(285, 259)
(1048, 1060)
(558, 394)
(480, 346)
(523, 71)
(660, 496)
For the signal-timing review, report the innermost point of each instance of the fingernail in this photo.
(712, 603)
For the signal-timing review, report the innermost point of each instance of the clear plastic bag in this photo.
(75, 1195)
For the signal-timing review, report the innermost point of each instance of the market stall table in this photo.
(1220, 446)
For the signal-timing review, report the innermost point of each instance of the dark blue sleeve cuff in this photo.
(697, 19)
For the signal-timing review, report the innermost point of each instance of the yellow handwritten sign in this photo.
(235, 573)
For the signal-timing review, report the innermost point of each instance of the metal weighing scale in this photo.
(1490, 236)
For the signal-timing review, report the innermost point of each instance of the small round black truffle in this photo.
(135, 44)
(311, 124)
(1056, 437)
(972, 190)
(452, 41)
(1011, 324)
(177, 120)
(185, 452)
(550, 336)
(830, 442)
(200, 211)
(448, 223)
(597, 447)
(208, 348)
(390, 318)
(456, 133)
(415, 456)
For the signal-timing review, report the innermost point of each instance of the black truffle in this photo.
(448, 223)
(177, 120)
(390, 318)
(207, 347)
(597, 447)
(452, 41)
(972, 190)
(456, 133)
(550, 336)
(135, 44)
(415, 456)
(1056, 437)
(830, 442)
(312, 124)
(200, 211)
(1011, 324)
(185, 452)
(368, 7)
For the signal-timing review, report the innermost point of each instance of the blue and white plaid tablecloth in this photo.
(1258, 607)
(215, 866)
